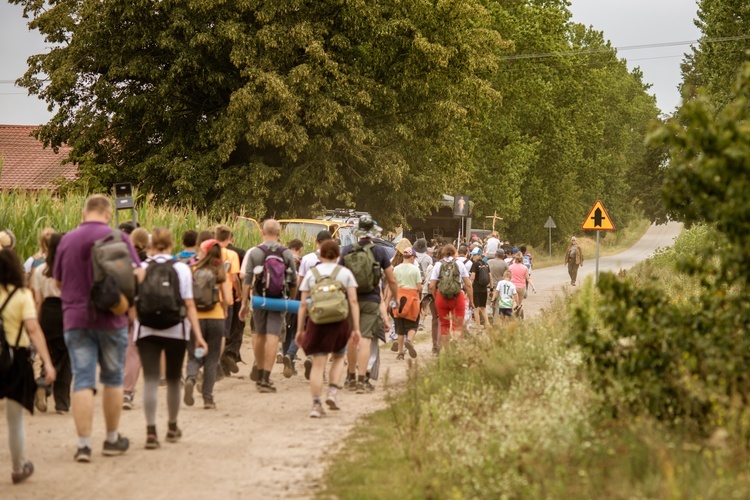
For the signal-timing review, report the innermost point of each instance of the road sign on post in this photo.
(598, 220)
(550, 224)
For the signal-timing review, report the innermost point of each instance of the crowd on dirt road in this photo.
(119, 302)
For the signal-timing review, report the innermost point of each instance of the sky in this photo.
(624, 22)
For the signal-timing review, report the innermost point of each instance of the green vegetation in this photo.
(26, 214)
(283, 108)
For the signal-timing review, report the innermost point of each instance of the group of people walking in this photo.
(120, 301)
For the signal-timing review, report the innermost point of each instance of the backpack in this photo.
(112, 269)
(272, 282)
(366, 270)
(482, 277)
(329, 303)
(205, 290)
(527, 261)
(449, 284)
(159, 303)
(7, 352)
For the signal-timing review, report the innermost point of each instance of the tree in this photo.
(271, 107)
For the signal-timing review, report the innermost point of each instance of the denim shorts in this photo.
(88, 348)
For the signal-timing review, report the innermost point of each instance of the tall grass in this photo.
(27, 213)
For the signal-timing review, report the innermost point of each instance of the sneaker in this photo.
(394, 347)
(360, 388)
(410, 347)
(288, 366)
(254, 373)
(369, 387)
(117, 448)
(332, 402)
(317, 411)
(279, 358)
(308, 367)
(152, 443)
(26, 471)
(188, 398)
(83, 455)
(127, 402)
(351, 384)
(400, 357)
(267, 387)
(208, 404)
(40, 401)
(435, 351)
(174, 435)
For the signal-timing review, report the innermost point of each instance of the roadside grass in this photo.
(610, 244)
(511, 414)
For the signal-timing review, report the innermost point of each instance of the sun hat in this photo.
(402, 245)
(420, 246)
(206, 245)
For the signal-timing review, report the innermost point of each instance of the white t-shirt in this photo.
(185, 276)
(307, 262)
(45, 285)
(436, 269)
(345, 276)
(491, 247)
(243, 265)
(466, 262)
(506, 291)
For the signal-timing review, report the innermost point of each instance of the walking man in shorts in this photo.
(93, 338)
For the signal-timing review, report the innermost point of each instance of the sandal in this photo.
(27, 470)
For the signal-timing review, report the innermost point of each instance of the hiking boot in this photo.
(400, 356)
(83, 455)
(410, 347)
(288, 366)
(208, 404)
(332, 402)
(394, 347)
(317, 411)
(40, 400)
(279, 358)
(351, 384)
(117, 448)
(267, 387)
(230, 365)
(188, 398)
(368, 387)
(152, 442)
(26, 471)
(308, 367)
(254, 373)
(127, 402)
(174, 435)
(360, 388)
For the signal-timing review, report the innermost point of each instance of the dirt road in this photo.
(253, 446)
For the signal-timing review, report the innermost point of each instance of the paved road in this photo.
(552, 281)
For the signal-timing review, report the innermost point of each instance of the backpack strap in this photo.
(316, 274)
(2, 308)
(10, 296)
(335, 272)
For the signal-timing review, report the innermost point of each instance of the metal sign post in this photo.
(596, 278)
(550, 224)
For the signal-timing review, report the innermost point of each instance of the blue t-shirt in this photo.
(185, 255)
(381, 257)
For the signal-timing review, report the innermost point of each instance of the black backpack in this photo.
(482, 277)
(7, 352)
(159, 304)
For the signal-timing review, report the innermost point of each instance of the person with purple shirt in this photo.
(92, 338)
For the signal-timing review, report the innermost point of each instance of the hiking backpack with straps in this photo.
(449, 284)
(328, 299)
(7, 352)
(482, 277)
(366, 270)
(159, 303)
(205, 289)
(272, 282)
(112, 268)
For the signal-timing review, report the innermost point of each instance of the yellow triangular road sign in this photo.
(598, 219)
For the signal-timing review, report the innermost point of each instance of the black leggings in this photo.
(150, 349)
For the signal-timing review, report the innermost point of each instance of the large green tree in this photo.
(271, 107)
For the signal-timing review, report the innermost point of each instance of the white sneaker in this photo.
(317, 411)
(127, 402)
(332, 402)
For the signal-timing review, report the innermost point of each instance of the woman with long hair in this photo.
(211, 320)
(49, 307)
(17, 384)
(520, 276)
(171, 342)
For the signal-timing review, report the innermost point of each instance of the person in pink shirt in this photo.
(519, 276)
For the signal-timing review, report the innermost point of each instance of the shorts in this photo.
(480, 297)
(370, 320)
(88, 348)
(268, 322)
(505, 312)
(404, 326)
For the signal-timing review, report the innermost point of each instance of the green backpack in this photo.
(449, 284)
(366, 270)
(328, 299)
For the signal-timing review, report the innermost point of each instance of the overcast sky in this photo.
(624, 22)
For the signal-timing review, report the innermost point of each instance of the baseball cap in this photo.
(476, 251)
(206, 245)
(408, 252)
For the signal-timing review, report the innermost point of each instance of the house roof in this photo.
(27, 164)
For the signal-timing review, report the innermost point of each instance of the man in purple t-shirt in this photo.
(92, 338)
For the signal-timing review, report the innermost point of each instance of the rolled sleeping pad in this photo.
(281, 305)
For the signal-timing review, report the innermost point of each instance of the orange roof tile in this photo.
(27, 164)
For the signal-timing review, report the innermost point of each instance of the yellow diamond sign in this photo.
(598, 219)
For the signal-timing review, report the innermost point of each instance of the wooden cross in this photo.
(494, 218)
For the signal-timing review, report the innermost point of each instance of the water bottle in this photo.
(199, 352)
